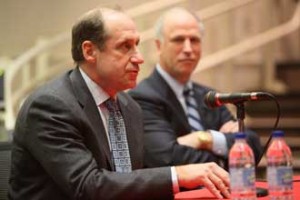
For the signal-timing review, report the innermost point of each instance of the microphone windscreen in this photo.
(210, 99)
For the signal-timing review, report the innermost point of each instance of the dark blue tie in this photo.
(192, 110)
(118, 138)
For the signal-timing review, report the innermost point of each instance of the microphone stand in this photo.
(240, 114)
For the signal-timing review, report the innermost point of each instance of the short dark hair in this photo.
(90, 27)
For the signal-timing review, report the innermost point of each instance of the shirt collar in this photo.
(176, 86)
(98, 93)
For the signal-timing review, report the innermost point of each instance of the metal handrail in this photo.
(16, 66)
(205, 14)
(251, 43)
(152, 6)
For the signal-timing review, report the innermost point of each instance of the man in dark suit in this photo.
(170, 134)
(81, 137)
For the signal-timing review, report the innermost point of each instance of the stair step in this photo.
(289, 106)
(292, 141)
(269, 122)
(289, 73)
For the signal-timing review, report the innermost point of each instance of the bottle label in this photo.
(280, 176)
(242, 177)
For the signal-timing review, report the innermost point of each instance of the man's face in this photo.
(180, 49)
(118, 63)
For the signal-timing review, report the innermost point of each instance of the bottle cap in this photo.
(240, 135)
(277, 133)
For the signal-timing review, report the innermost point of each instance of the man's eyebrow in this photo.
(130, 38)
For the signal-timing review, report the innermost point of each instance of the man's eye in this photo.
(178, 40)
(126, 46)
(195, 40)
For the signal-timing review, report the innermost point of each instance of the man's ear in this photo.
(89, 51)
(157, 44)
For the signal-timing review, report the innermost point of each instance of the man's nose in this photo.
(187, 46)
(137, 58)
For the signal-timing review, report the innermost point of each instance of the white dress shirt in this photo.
(219, 141)
(100, 96)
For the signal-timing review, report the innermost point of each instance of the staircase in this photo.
(263, 114)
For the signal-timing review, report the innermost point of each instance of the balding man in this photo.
(179, 128)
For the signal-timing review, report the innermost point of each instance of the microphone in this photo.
(213, 99)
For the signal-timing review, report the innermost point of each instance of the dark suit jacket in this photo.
(165, 120)
(61, 149)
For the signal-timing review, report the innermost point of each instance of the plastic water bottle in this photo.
(279, 170)
(242, 170)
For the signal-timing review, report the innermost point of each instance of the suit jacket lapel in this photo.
(90, 109)
(131, 129)
(202, 108)
(167, 93)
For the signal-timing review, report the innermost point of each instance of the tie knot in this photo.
(111, 105)
(187, 91)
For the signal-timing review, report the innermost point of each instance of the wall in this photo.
(22, 22)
